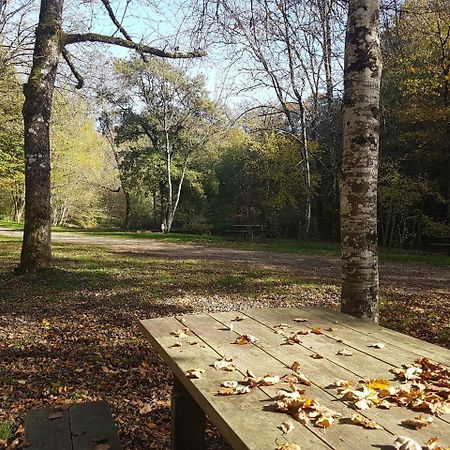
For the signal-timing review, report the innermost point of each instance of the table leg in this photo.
(188, 420)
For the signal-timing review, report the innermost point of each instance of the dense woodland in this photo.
(153, 149)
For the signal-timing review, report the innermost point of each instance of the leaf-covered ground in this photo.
(70, 334)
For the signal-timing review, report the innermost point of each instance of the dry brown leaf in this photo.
(289, 446)
(269, 380)
(316, 356)
(362, 404)
(330, 329)
(245, 339)
(180, 333)
(316, 330)
(224, 364)
(103, 446)
(357, 419)
(295, 366)
(324, 421)
(194, 373)
(418, 422)
(301, 417)
(145, 409)
(300, 319)
(384, 404)
(406, 443)
(229, 384)
(303, 379)
(238, 319)
(177, 344)
(344, 352)
(286, 427)
(432, 443)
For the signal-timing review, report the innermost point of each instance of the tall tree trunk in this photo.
(36, 246)
(126, 221)
(362, 73)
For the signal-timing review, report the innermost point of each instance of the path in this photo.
(396, 275)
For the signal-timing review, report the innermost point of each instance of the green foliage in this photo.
(414, 182)
(6, 430)
(81, 172)
(11, 145)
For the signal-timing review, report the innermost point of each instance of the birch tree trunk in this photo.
(362, 73)
(36, 249)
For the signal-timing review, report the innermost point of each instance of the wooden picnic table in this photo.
(249, 421)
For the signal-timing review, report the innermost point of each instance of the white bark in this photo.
(362, 75)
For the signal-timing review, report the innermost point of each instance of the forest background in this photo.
(154, 144)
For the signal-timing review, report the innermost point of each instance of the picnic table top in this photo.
(249, 421)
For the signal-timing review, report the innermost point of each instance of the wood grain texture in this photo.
(248, 421)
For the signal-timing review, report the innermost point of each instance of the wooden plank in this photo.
(323, 372)
(239, 419)
(402, 341)
(45, 434)
(393, 356)
(361, 360)
(345, 435)
(92, 423)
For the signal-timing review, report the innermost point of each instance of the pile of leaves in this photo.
(424, 387)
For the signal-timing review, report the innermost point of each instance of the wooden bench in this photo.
(248, 421)
(81, 426)
(441, 242)
(249, 231)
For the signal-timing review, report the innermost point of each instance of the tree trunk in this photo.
(362, 73)
(126, 221)
(36, 246)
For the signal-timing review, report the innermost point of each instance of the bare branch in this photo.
(112, 16)
(141, 48)
(67, 57)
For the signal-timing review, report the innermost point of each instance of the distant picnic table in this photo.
(247, 230)
(329, 348)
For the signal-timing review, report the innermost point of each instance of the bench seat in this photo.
(81, 426)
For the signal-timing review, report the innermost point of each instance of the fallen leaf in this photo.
(229, 384)
(145, 409)
(316, 356)
(316, 330)
(379, 345)
(378, 384)
(417, 423)
(245, 339)
(295, 366)
(286, 427)
(362, 404)
(324, 421)
(331, 329)
(238, 319)
(194, 373)
(269, 380)
(180, 333)
(177, 344)
(344, 352)
(102, 447)
(300, 319)
(432, 443)
(289, 446)
(357, 419)
(224, 364)
(406, 443)
(303, 379)
(151, 425)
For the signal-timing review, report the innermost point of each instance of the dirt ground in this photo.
(72, 334)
